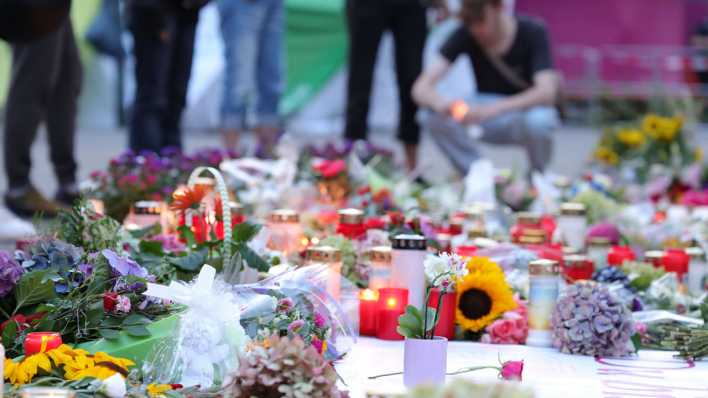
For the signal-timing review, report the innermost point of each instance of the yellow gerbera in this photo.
(483, 295)
(158, 390)
(669, 127)
(632, 138)
(698, 154)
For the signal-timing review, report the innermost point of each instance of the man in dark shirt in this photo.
(515, 79)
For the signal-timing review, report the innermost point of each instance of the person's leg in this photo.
(61, 117)
(453, 140)
(270, 74)
(531, 129)
(35, 70)
(152, 36)
(241, 22)
(179, 72)
(366, 24)
(409, 27)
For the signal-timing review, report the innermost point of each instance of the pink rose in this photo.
(512, 370)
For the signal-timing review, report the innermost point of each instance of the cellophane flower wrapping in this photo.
(223, 322)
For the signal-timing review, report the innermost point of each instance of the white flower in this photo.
(113, 387)
(457, 265)
(434, 266)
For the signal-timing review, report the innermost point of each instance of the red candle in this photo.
(676, 260)
(446, 317)
(351, 224)
(368, 306)
(392, 304)
(37, 342)
(577, 267)
(619, 254)
(199, 227)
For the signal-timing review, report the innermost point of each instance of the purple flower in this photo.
(124, 266)
(319, 320)
(86, 269)
(10, 273)
(285, 305)
(295, 326)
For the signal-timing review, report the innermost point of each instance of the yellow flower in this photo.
(483, 295)
(650, 125)
(158, 390)
(632, 138)
(607, 155)
(23, 372)
(698, 154)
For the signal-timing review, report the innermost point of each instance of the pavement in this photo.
(572, 149)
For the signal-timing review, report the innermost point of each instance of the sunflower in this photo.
(650, 125)
(158, 390)
(483, 295)
(188, 198)
(607, 155)
(631, 138)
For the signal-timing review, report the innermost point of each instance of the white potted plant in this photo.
(425, 355)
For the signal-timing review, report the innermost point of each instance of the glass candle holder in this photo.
(572, 224)
(676, 260)
(446, 317)
(619, 254)
(143, 214)
(368, 310)
(332, 258)
(37, 342)
(286, 233)
(237, 217)
(380, 264)
(577, 267)
(392, 304)
(598, 247)
(351, 223)
(474, 218)
(407, 270)
(543, 294)
(654, 257)
(697, 271)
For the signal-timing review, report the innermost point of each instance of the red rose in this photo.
(110, 299)
(330, 168)
(512, 370)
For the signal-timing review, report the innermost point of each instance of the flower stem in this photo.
(385, 375)
(441, 296)
(472, 369)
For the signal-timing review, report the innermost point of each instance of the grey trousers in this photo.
(531, 129)
(44, 86)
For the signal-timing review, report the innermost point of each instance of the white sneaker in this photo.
(14, 228)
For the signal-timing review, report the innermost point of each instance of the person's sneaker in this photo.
(67, 196)
(30, 203)
(13, 228)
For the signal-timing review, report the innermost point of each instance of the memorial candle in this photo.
(380, 264)
(676, 260)
(573, 224)
(407, 270)
(392, 304)
(697, 271)
(543, 294)
(351, 223)
(446, 317)
(619, 254)
(368, 309)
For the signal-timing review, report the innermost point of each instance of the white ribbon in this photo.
(183, 293)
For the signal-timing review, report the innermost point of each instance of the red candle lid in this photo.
(619, 254)
(37, 342)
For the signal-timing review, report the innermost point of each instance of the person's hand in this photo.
(480, 114)
(442, 107)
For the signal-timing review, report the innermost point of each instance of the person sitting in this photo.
(515, 79)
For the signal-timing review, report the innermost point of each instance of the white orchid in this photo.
(444, 269)
(113, 387)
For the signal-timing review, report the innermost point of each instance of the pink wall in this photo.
(603, 23)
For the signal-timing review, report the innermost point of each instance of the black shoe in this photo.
(30, 204)
(66, 197)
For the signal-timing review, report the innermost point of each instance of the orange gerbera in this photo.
(188, 198)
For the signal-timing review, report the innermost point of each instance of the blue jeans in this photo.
(531, 129)
(252, 31)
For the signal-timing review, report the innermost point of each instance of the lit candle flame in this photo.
(369, 295)
(391, 302)
(458, 110)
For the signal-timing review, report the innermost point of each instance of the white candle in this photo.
(573, 225)
(380, 261)
(543, 294)
(407, 271)
(697, 271)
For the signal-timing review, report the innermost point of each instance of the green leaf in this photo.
(9, 334)
(135, 320)
(137, 331)
(191, 262)
(411, 323)
(405, 332)
(186, 233)
(430, 319)
(151, 247)
(110, 334)
(252, 259)
(33, 288)
(245, 231)
(154, 229)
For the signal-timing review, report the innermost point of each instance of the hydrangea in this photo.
(10, 273)
(589, 320)
(124, 266)
(283, 367)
